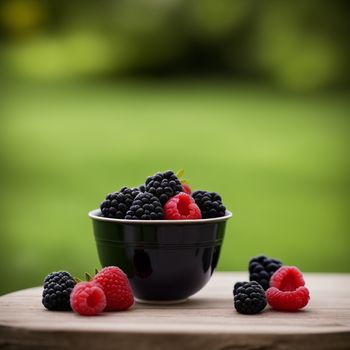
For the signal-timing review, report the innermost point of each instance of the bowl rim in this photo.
(94, 214)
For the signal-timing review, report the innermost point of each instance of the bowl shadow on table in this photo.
(191, 303)
(224, 304)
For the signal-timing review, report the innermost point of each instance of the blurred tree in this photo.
(301, 45)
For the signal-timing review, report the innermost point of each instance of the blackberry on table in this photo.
(249, 297)
(210, 204)
(164, 185)
(118, 203)
(145, 206)
(262, 268)
(57, 289)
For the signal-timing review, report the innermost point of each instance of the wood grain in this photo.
(206, 321)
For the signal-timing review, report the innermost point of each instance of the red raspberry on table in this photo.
(88, 299)
(287, 278)
(181, 207)
(287, 291)
(186, 188)
(115, 284)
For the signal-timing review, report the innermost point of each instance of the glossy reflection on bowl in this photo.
(165, 260)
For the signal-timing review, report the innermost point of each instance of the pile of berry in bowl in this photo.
(166, 238)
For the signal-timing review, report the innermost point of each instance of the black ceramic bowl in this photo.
(166, 260)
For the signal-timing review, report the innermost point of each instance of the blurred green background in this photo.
(251, 98)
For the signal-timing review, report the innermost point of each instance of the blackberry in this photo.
(210, 204)
(164, 185)
(142, 188)
(57, 289)
(118, 203)
(145, 206)
(249, 297)
(262, 268)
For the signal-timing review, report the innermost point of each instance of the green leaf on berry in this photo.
(88, 277)
(180, 173)
(96, 271)
(77, 279)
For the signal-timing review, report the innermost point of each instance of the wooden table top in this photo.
(206, 321)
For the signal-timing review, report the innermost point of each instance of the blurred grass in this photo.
(279, 161)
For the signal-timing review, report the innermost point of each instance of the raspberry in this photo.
(289, 300)
(88, 299)
(287, 278)
(118, 203)
(163, 185)
(287, 291)
(262, 268)
(181, 207)
(186, 188)
(116, 286)
(57, 289)
(249, 297)
(210, 204)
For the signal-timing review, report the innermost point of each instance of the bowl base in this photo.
(160, 302)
